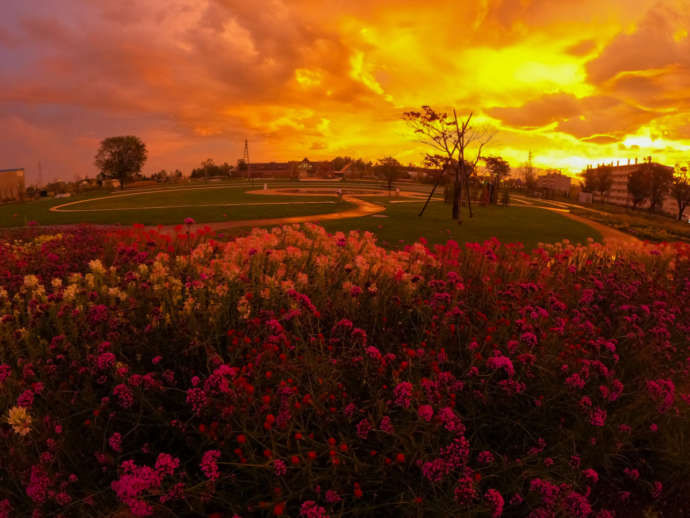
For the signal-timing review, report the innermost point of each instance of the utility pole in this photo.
(245, 157)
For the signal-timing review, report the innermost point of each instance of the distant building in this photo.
(555, 182)
(270, 170)
(11, 184)
(619, 194)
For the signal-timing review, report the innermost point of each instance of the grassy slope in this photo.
(640, 223)
(529, 226)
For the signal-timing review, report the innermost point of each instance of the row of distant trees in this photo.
(649, 183)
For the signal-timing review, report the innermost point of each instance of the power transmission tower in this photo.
(245, 157)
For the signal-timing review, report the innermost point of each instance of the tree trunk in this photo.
(467, 194)
(429, 198)
(457, 191)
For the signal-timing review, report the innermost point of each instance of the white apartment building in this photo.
(619, 195)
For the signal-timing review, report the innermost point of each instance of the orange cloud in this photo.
(573, 81)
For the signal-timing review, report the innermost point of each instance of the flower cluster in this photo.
(291, 372)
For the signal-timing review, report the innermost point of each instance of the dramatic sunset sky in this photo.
(575, 81)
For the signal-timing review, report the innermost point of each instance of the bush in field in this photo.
(296, 373)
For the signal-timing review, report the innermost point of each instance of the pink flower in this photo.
(632, 474)
(189, 221)
(591, 475)
(196, 398)
(597, 417)
(166, 464)
(465, 492)
(310, 509)
(363, 429)
(386, 425)
(115, 442)
(451, 421)
(425, 412)
(105, 361)
(124, 395)
(495, 501)
(485, 457)
(332, 497)
(209, 464)
(403, 394)
(37, 489)
(279, 468)
(26, 399)
(575, 381)
(577, 505)
(662, 391)
(501, 362)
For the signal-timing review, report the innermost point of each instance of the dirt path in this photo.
(611, 236)
(362, 208)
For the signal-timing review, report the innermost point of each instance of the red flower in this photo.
(279, 509)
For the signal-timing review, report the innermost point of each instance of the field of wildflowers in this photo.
(295, 373)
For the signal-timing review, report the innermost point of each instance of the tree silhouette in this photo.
(120, 158)
(452, 138)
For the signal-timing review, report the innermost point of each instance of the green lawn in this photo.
(526, 225)
(174, 206)
(397, 225)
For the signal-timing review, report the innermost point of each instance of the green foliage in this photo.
(120, 158)
(390, 169)
(680, 190)
(210, 169)
(499, 169)
(639, 186)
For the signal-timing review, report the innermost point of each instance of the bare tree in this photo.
(451, 138)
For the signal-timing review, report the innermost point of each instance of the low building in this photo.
(270, 170)
(554, 182)
(11, 184)
(619, 194)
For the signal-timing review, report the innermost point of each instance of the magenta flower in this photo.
(115, 442)
(403, 394)
(309, 509)
(209, 464)
(425, 412)
(363, 429)
(279, 468)
(495, 501)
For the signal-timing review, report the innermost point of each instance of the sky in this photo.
(575, 82)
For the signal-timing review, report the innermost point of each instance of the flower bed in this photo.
(296, 373)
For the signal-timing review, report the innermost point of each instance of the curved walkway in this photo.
(611, 236)
(362, 208)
